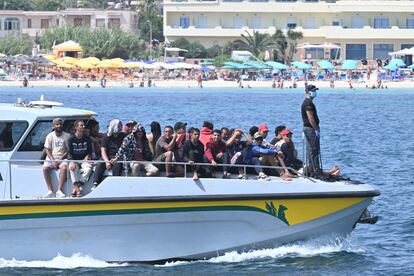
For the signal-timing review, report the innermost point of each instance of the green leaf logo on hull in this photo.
(277, 212)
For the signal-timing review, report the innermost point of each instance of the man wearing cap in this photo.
(129, 126)
(56, 151)
(312, 131)
(289, 153)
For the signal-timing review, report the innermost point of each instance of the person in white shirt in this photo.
(56, 151)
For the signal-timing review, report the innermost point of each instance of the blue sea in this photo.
(368, 133)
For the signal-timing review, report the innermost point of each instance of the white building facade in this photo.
(363, 29)
(35, 22)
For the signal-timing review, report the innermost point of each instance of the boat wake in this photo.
(61, 262)
(316, 247)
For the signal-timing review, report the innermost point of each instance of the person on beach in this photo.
(110, 145)
(200, 81)
(25, 82)
(312, 131)
(79, 149)
(56, 151)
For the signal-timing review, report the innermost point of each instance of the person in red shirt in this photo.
(206, 133)
(216, 152)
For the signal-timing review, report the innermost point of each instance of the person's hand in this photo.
(318, 133)
(219, 155)
(213, 163)
(55, 164)
(72, 166)
(113, 160)
(190, 162)
(108, 165)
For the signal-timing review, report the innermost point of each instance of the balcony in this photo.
(325, 32)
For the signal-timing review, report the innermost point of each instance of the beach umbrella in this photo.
(236, 65)
(91, 60)
(277, 65)
(207, 68)
(64, 65)
(20, 61)
(301, 65)
(50, 57)
(391, 67)
(349, 64)
(397, 62)
(85, 65)
(411, 66)
(324, 64)
(69, 60)
(256, 64)
(2, 55)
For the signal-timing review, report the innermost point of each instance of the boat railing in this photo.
(173, 163)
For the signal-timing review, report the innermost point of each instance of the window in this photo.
(356, 51)
(100, 23)
(315, 53)
(410, 23)
(406, 46)
(381, 50)
(202, 21)
(114, 23)
(357, 22)
(35, 141)
(184, 22)
(335, 53)
(77, 21)
(336, 22)
(11, 24)
(44, 23)
(256, 22)
(237, 22)
(291, 23)
(381, 23)
(10, 134)
(29, 23)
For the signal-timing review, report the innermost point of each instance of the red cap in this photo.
(263, 128)
(285, 132)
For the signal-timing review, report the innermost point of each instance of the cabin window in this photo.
(35, 140)
(10, 134)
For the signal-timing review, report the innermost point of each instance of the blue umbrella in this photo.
(206, 68)
(411, 66)
(391, 67)
(324, 64)
(397, 62)
(349, 64)
(277, 65)
(301, 65)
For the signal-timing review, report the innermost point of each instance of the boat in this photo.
(153, 219)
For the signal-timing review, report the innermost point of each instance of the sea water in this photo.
(368, 133)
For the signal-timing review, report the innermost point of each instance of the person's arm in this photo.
(69, 146)
(122, 150)
(312, 120)
(231, 139)
(186, 151)
(49, 154)
(208, 153)
(90, 150)
(248, 138)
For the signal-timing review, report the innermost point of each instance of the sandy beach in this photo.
(193, 84)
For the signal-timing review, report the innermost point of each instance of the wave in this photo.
(75, 261)
(311, 248)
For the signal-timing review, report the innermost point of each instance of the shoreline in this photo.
(193, 84)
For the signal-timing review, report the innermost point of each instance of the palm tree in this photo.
(285, 45)
(256, 44)
(293, 38)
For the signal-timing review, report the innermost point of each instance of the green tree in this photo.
(13, 45)
(107, 43)
(196, 50)
(16, 5)
(285, 45)
(256, 43)
(47, 5)
(150, 23)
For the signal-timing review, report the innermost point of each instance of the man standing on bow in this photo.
(312, 132)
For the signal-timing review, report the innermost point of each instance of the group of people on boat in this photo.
(131, 150)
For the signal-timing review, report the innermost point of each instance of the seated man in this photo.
(278, 136)
(110, 145)
(257, 150)
(290, 154)
(193, 152)
(216, 152)
(56, 151)
(79, 149)
(164, 149)
(235, 148)
(135, 148)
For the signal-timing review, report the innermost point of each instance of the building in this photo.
(34, 23)
(363, 29)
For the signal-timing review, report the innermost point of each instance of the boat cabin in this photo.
(23, 129)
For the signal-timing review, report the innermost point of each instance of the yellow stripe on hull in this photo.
(292, 211)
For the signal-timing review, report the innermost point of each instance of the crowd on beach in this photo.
(221, 150)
